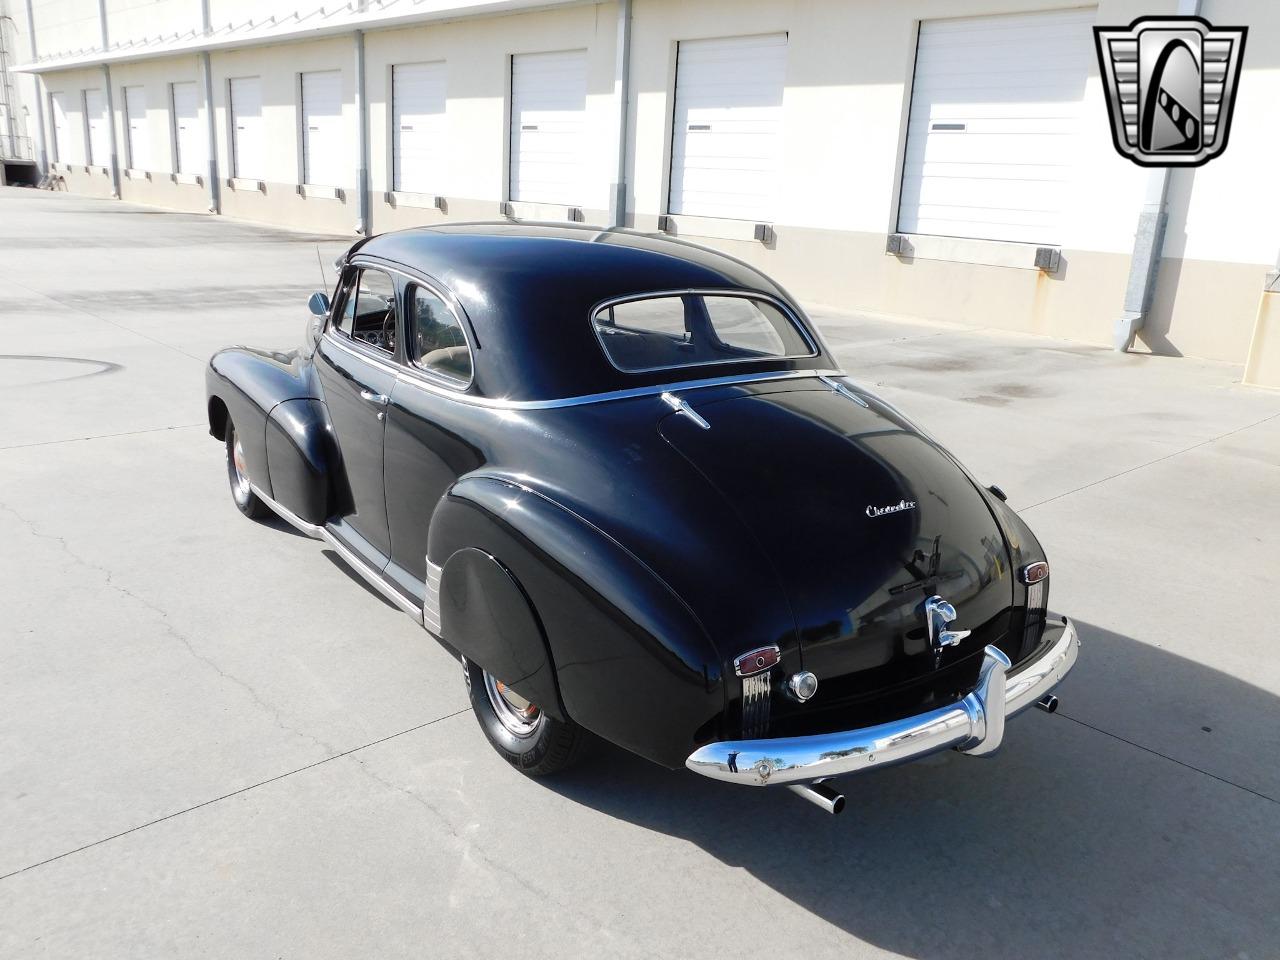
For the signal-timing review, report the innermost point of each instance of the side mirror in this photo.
(319, 305)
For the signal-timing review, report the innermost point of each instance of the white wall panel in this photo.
(419, 144)
(68, 138)
(994, 139)
(325, 150)
(727, 131)
(248, 147)
(95, 115)
(189, 133)
(137, 132)
(548, 128)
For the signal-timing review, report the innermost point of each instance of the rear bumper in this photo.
(973, 725)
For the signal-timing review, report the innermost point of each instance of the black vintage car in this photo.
(625, 482)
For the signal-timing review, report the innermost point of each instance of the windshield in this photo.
(669, 330)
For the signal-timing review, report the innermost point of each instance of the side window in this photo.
(370, 311)
(440, 345)
(659, 315)
(752, 325)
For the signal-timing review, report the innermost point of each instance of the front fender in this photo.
(631, 661)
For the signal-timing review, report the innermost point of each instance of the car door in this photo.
(355, 363)
(431, 433)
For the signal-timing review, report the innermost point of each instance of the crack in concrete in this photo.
(103, 436)
(233, 793)
(171, 630)
(471, 849)
(1149, 463)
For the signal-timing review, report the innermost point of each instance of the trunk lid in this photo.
(862, 519)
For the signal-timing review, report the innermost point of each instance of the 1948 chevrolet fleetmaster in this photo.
(622, 478)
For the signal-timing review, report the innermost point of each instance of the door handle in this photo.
(381, 399)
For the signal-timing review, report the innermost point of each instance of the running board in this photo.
(349, 556)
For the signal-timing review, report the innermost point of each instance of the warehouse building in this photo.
(946, 159)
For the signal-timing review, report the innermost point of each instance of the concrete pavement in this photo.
(214, 741)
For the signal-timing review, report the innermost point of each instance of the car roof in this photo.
(529, 289)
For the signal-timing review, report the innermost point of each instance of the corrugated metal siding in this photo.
(726, 152)
(419, 143)
(189, 137)
(548, 127)
(248, 154)
(994, 134)
(324, 151)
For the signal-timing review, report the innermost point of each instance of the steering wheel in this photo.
(389, 328)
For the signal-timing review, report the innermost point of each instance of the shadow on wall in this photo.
(1070, 843)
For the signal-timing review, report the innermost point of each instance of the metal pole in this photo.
(111, 132)
(1148, 243)
(622, 91)
(211, 132)
(43, 162)
(362, 165)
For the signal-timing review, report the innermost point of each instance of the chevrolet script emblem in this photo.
(938, 615)
(1171, 85)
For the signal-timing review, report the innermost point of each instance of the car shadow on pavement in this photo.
(1071, 842)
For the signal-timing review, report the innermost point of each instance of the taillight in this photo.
(1036, 577)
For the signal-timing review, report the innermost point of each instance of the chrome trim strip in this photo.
(415, 378)
(755, 705)
(974, 725)
(353, 559)
(431, 603)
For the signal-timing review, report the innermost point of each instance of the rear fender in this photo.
(629, 659)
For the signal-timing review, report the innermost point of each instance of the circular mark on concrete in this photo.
(25, 370)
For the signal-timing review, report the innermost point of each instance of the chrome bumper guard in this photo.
(972, 725)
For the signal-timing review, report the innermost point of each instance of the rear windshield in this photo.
(691, 329)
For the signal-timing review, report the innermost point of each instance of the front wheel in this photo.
(528, 739)
(238, 476)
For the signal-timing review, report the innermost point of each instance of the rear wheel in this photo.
(242, 493)
(531, 741)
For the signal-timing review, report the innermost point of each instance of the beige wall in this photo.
(849, 69)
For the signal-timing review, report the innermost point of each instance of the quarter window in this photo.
(370, 311)
(691, 329)
(440, 345)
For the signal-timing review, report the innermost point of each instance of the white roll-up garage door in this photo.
(418, 134)
(995, 128)
(548, 127)
(66, 145)
(248, 154)
(188, 135)
(135, 118)
(727, 138)
(95, 115)
(324, 152)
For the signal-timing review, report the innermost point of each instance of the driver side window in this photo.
(370, 311)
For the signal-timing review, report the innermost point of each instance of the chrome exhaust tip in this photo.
(829, 800)
(1048, 703)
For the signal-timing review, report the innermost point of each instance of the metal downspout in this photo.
(1148, 242)
(622, 91)
(40, 93)
(362, 118)
(211, 123)
(206, 83)
(111, 103)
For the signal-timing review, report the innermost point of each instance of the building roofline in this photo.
(319, 23)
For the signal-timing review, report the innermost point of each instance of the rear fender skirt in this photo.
(632, 663)
(485, 614)
(302, 459)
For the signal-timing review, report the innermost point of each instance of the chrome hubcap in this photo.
(520, 717)
(241, 472)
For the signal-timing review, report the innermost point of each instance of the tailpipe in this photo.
(829, 800)
(1048, 703)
